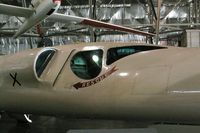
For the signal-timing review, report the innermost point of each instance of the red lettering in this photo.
(98, 79)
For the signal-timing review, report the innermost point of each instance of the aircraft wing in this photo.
(95, 23)
(15, 10)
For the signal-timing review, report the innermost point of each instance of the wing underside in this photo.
(86, 21)
(15, 10)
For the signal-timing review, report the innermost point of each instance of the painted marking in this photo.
(114, 27)
(96, 80)
(14, 77)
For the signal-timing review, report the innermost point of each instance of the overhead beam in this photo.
(24, 3)
(123, 12)
(153, 9)
(92, 15)
(69, 2)
(158, 21)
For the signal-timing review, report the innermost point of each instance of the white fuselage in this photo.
(154, 86)
(42, 8)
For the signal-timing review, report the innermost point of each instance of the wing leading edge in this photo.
(95, 23)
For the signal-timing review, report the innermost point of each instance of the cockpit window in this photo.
(117, 53)
(87, 64)
(43, 60)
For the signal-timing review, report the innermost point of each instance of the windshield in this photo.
(87, 64)
(42, 61)
(117, 53)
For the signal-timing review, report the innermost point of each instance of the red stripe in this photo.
(114, 27)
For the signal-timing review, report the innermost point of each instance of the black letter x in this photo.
(15, 79)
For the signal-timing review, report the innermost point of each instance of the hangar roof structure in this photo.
(175, 17)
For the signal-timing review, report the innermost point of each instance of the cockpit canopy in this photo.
(88, 64)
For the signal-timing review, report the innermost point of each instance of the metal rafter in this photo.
(153, 9)
(158, 21)
(92, 14)
(69, 2)
(175, 6)
(24, 3)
